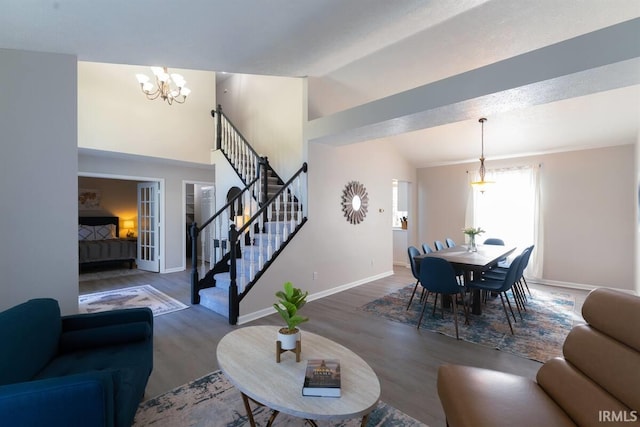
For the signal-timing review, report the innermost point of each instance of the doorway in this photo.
(199, 206)
(120, 196)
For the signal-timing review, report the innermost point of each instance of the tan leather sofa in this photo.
(596, 383)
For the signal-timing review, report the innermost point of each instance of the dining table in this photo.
(471, 263)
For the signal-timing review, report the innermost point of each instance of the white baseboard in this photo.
(571, 285)
(245, 318)
(172, 270)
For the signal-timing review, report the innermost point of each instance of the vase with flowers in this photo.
(472, 232)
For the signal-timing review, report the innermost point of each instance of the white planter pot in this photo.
(288, 341)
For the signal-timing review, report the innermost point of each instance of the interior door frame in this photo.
(186, 182)
(161, 206)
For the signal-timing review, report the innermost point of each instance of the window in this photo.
(399, 199)
(509, 209)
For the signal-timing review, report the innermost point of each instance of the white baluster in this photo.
(203, 242)
(259, 244)
(285, 204)
(270, 219)
(294, 208)
(278, 241)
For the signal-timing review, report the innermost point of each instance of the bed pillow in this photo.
(107, 231)
(86, 232)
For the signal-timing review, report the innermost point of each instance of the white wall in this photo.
(588, 214)
(173, 173)
(269, 112)
(38, 181)
(114, 114)
(400, 245)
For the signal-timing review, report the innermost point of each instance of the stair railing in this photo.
(215, 245)
(235, 147)
(285, 214)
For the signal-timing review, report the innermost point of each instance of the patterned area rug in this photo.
(135, 296)
(212, 401)
(539, 336)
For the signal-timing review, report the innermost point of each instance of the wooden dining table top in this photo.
(459, 256)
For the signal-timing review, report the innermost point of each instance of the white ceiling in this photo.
(370, 48)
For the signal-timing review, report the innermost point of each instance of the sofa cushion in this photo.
(581, 398)
(609, 363)
(29, 333)
(129, 363)
(104, 336)
(478, 397)
(614, 313)
(47, 402)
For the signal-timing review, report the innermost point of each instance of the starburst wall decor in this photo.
(355, 202)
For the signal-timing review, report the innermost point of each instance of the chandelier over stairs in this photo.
(170, 87)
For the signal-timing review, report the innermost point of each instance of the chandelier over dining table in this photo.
(482, 183)
(169, 87)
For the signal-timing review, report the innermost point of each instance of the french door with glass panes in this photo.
(148, 227)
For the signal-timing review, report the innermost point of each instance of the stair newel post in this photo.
(233, 286)
(218, 126)
(195, 295)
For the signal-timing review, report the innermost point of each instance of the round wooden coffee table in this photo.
(247, 356)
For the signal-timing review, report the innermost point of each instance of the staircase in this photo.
(244, 237)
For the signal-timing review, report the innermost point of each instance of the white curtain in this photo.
(510, 210)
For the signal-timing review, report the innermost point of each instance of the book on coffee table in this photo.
(322, 378)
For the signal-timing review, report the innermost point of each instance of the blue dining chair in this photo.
(497, 242)
(494, 241)
(426, 248)
(450, 243)
(438, 276)
(413, 253)
(521, 282)
(438, 245)
(500, 286)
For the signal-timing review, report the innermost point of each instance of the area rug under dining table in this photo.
(212, 401)
(539, 336)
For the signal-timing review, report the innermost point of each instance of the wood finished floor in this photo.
(405, 359)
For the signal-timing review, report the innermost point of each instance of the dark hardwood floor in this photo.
(405, 359)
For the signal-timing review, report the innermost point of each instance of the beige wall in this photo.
(588, 214)
(269, 112)
(114, 114)
(341, 253)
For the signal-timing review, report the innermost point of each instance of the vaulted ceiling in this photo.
(360, 52)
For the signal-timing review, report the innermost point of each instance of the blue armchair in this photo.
(80, 370)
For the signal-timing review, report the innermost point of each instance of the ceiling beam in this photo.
(601, 60)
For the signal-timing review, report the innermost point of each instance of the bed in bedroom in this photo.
(99, 242)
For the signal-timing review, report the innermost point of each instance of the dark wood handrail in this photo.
(229, 203)
(264, 207)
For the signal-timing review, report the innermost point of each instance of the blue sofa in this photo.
(81, 370)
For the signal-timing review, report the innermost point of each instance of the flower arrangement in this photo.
(472, 232)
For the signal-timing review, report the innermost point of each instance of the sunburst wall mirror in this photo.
(355, 202)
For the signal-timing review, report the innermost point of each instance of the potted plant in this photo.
(472, 233)
(290, 301)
